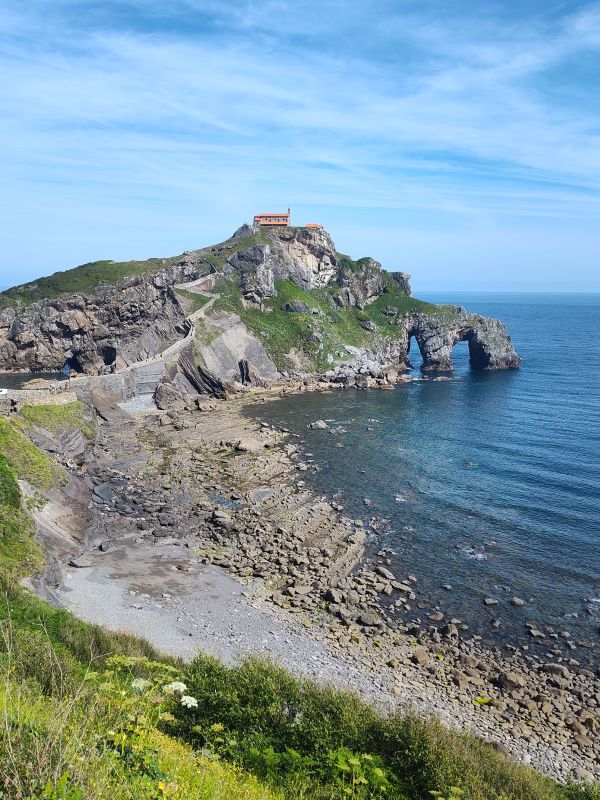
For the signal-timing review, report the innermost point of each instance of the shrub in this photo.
(295, 734)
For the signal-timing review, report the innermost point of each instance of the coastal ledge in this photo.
(215, 493)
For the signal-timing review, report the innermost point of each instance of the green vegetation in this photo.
(358, 265)
(82, 279)
(70, 416)
(28, 462)
(19, 553)
(87, 278)
(100, 736)
(86, 715)
(310, 741)
(218, 255)
(317, 336)
(195, 301)
(74, 723)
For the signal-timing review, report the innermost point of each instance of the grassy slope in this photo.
(30, 463)
(18, 551)
(88, 277)
(72, 721)
(70, 416)
(282, 331)
(82, 279)
(195, 301)
(54, 711)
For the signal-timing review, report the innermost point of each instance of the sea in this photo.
(488, 483)
(17, 380)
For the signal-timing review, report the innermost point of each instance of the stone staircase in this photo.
(146, 375)
(146, 378)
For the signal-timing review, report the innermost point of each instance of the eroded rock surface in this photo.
(490, 346)
(110, 328)
(140, 317)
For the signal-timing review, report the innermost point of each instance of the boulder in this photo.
(510, 681)
(248, 444)
(385, 573)
(369, 619)
(80, 563)
(559, 670)
(420, 656)
(297, 307)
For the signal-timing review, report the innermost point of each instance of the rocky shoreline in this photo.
(230, 494)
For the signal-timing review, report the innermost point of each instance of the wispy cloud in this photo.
(203, 108)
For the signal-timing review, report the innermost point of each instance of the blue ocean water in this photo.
(490, 482)
(18, 380)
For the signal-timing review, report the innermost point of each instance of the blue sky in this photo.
(456, 141)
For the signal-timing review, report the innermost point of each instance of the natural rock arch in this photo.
(72, 364)
(109, 355)
(490, 346)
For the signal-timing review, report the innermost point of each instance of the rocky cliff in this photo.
(283, 301)
(107, 328)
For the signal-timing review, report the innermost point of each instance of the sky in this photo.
(457, 141)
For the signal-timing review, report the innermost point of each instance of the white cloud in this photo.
(417, 112)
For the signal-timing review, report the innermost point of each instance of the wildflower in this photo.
(139, 684)
(177, 687)
(189, 702)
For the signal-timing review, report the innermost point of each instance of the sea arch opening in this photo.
(71, 364)
(446, 351)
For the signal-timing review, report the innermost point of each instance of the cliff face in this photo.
(286, 301)
(306, 257)
(112, 327)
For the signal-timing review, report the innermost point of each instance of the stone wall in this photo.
(16, 398)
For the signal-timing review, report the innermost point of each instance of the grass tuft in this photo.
(56, 418)
(29, 462)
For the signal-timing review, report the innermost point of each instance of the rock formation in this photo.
(108, 329)
(115, 325)
(183, 380)
(490, 346)
(306, 257)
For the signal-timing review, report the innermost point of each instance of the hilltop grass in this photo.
(218, 255)
(55, 418)
(80, 280)
(87, 278)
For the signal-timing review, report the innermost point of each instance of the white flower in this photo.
(139, 684)
(175, 687)
(189, 702)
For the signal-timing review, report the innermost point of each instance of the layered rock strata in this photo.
(107, 330)
(140, 317)
(228, 491)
